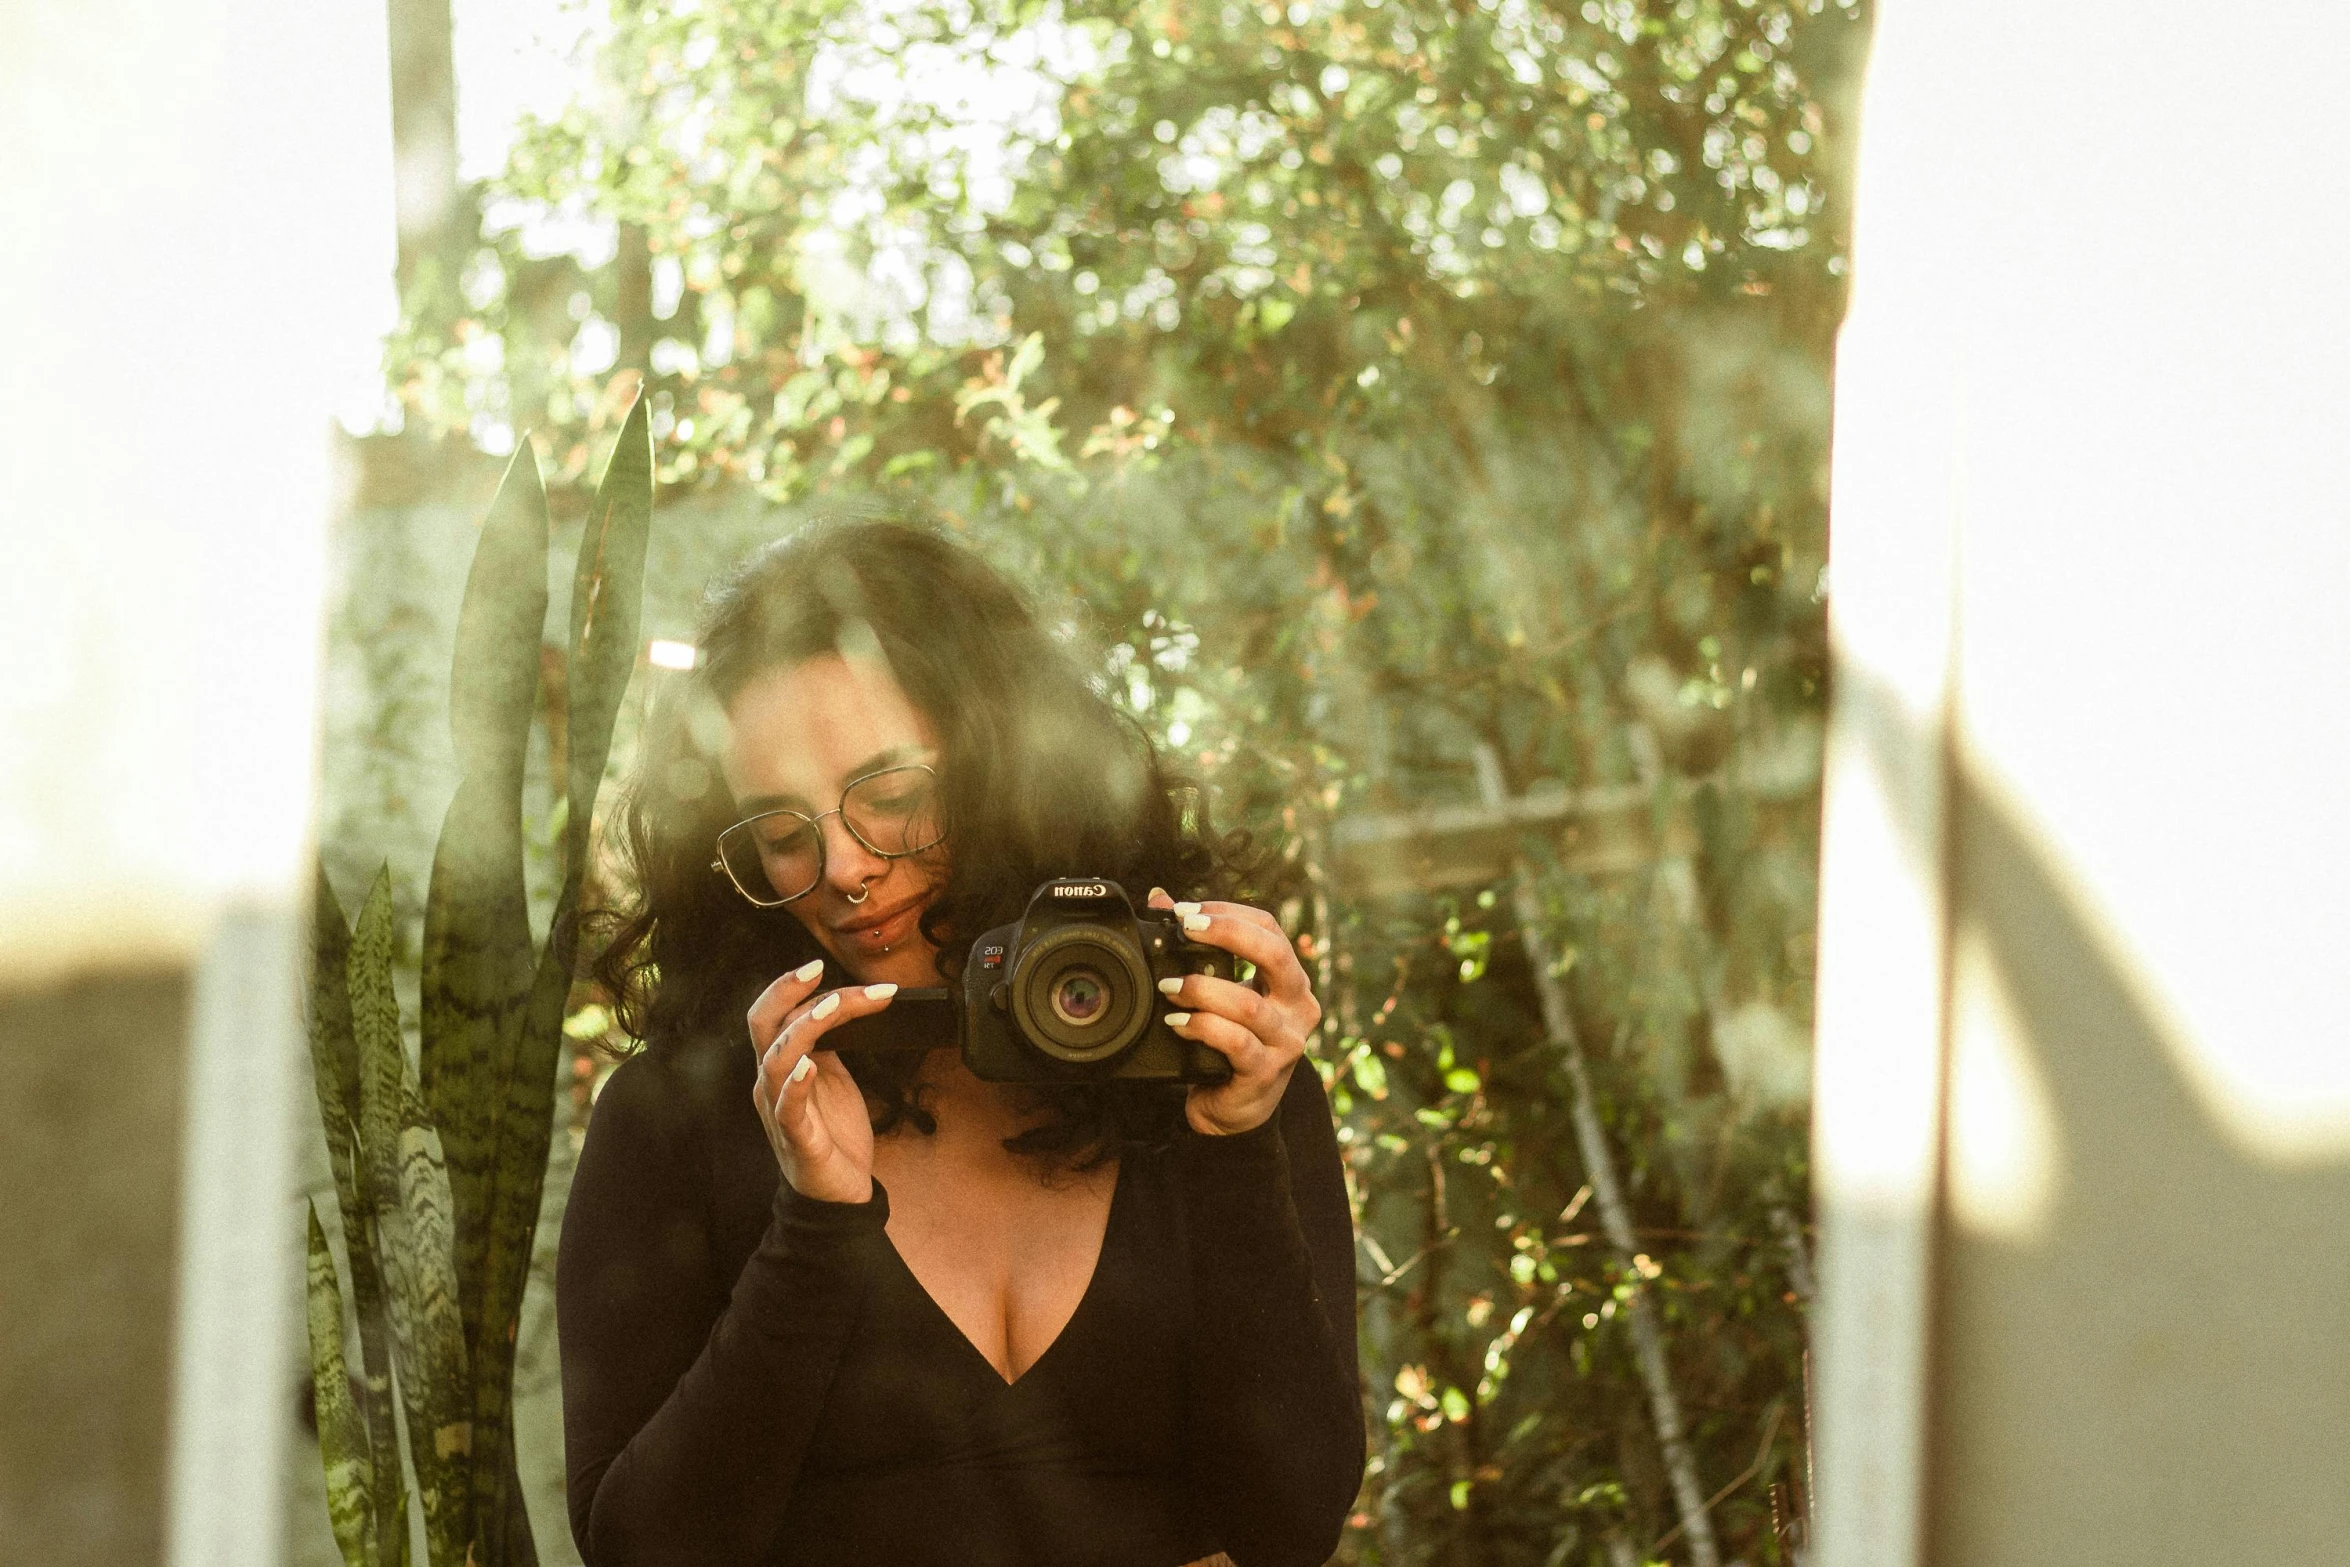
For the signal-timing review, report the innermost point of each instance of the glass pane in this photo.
(894, 812)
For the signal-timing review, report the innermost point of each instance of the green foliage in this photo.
(1365, 382)
(439, 1166)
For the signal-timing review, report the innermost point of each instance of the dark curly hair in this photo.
(1039, 777)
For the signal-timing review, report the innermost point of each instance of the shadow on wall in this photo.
(2142, 1324)
(2165, 1355)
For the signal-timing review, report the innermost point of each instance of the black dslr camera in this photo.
(1069, 994)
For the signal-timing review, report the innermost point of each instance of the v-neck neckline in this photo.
(1076, 1313)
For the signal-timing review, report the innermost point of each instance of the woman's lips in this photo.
(886, 929)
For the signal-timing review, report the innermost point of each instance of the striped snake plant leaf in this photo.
(520, 1177)
(479, 958)
(503, 1510)
(334, 1053)
(383, 1067)
(343, 1441)
(334, 1063)
(439, 1390)
(413, 1240)
(607, 599)
(607, 603)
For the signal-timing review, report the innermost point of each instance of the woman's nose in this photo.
(848, 864)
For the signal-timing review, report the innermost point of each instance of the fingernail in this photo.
(825, 1008)
(768, 1054)
(801, 1068)
(880, 992)
(1187, 909)
(808, 970)
(1195, 922)
(1178, 1020)
(1156, 892)
(1169, 986)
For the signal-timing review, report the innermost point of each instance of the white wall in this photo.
(2083, 1117)
(196, 195)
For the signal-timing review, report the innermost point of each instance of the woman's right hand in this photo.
(811, 1108)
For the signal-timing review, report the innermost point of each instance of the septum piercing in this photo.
(863, 892)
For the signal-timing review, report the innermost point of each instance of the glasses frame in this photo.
(816, 825)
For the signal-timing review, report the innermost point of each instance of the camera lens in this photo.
(1080, 997)
(1081, 993)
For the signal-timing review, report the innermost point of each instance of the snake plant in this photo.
(438, 1164)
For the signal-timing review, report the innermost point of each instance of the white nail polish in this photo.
(800, 1068)
(1170, 985)
(1187, 908)
(825, 1008)
(880, 992)
(1178, 1019)
(808, 970)
(1195, 922)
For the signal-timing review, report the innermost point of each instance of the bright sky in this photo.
(517, 57)
(513, 57)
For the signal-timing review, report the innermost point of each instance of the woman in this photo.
(818, 1308)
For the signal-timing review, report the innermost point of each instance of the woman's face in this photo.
(798, 736)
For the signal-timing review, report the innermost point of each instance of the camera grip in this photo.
(923, 1017)
(1197, 957)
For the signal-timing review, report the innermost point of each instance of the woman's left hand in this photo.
(1261, 1028)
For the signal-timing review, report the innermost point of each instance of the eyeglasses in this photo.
(777, 856)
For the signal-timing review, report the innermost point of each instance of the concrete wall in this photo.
(87, 1235)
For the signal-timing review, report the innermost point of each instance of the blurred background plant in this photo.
(1362, 384)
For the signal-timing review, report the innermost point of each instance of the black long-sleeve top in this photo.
(753, 1376)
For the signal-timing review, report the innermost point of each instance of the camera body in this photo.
(1070, 993)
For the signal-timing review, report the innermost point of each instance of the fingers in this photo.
(777, 1069)
(802, 1033)
(1160, 899)
(808, 1027)
(1231, 1000)
(1251, 1056)
(773, 1079)
(775, 1003)
(794, 1110)
(1255, 935)
(1240, 911)
(1259, 1036)
(1261, 1032)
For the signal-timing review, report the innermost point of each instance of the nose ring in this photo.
(861, 894)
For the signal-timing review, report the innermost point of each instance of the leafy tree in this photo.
(1369, 381)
